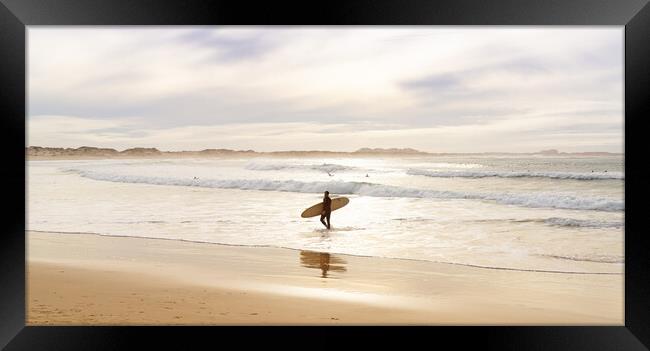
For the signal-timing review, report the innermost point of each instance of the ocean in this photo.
(560, 214)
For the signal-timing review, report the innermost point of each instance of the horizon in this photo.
(433, 89)
(547, 150)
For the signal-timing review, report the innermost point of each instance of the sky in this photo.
(431, 88)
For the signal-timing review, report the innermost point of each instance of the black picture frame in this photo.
(15, 15)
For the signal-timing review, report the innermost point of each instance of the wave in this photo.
(547, 200)
(485, 174)
(455, 165)
(553, 221)
(570, 222)
(597, 258)
(325, 167)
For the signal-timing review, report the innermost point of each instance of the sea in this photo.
(551, 214)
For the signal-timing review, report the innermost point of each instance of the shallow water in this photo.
(562, 214)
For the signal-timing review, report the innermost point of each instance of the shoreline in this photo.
(90, 279)
(335, 253)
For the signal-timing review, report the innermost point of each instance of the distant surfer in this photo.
(327, 209)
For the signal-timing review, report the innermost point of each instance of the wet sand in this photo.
(86, 279)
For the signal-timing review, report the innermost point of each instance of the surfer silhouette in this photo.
(327, 209)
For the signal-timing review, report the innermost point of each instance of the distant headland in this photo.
(37, 152)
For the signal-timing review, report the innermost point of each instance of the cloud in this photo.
(149, 80)
(439, 83)
(228, 46)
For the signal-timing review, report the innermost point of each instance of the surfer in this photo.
(327, 209)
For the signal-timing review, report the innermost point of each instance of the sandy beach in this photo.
(482, 171)
(86, 279)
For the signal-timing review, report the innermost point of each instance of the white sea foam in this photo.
(571, 222)
(325, 167)
(594, 258)
(501, 174)
(557, 221)
(454, 165)
(548, 200)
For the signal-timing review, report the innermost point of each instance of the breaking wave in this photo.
(325, 167)
(454, 165)
(485, 174)
(547, 200)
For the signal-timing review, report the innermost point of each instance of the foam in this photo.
(325, 167)
(553, 221)
(453, 165)
(548, 200)
(594, 258)
(485, 174)
(570, 222)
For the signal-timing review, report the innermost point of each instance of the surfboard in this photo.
(318, 208)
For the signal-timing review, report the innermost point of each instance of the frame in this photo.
(15, 15)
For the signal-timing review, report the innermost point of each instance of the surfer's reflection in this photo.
(323, 261)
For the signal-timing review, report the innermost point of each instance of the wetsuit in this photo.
(327, 210)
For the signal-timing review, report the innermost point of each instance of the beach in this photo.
(424, 240)
(482, 172)
(86, 279)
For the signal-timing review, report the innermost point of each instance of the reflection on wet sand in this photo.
(323, 261)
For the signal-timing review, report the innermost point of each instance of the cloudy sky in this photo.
(439, 89)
